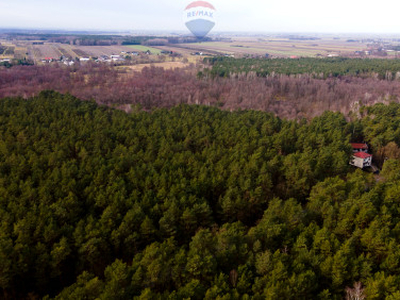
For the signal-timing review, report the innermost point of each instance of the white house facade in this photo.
(361, 160)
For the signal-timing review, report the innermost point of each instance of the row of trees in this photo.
(192, 202)
(285, 96)
(387, 69)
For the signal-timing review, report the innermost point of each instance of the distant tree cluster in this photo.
(193, 202)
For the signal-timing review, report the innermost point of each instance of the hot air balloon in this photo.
(200, 18)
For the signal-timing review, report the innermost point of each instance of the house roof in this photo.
(362, 155)
(359, 146)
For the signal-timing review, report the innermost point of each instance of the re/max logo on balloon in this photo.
(200, 13)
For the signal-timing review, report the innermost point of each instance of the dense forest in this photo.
(287, 96)
(194, 202)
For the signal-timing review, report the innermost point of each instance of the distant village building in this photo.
(48, 60)
(361, 158)
(116, 57)
(69, 63)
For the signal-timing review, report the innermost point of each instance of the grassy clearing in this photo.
(145, 48)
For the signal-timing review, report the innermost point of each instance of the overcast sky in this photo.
(333, 16)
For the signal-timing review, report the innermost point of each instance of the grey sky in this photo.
(251, 15)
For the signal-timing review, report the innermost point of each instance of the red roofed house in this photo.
(361, 158)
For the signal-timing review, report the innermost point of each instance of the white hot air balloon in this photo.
(199, 18)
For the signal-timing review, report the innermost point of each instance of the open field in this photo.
(254, 46)
(80, 52)
(66, 50)
(177, 49)
(56, 50)
(20, 52)
(144, 49)
(39, 52)
(8, 50)
(166, 65)
(280, 47)
(103, 50)
(186, 53)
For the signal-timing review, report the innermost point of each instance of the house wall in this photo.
(367, 162)
(361, 163)
(358, 162)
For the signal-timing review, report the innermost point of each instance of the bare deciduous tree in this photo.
(355, 293)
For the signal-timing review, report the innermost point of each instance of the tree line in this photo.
(318, 67)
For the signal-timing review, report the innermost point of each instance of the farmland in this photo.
(43, 51)
(7, 50)
(102, 50)
(145, 48)
(37, 50)
(281, 47)
(55, 50)
(274, 46)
